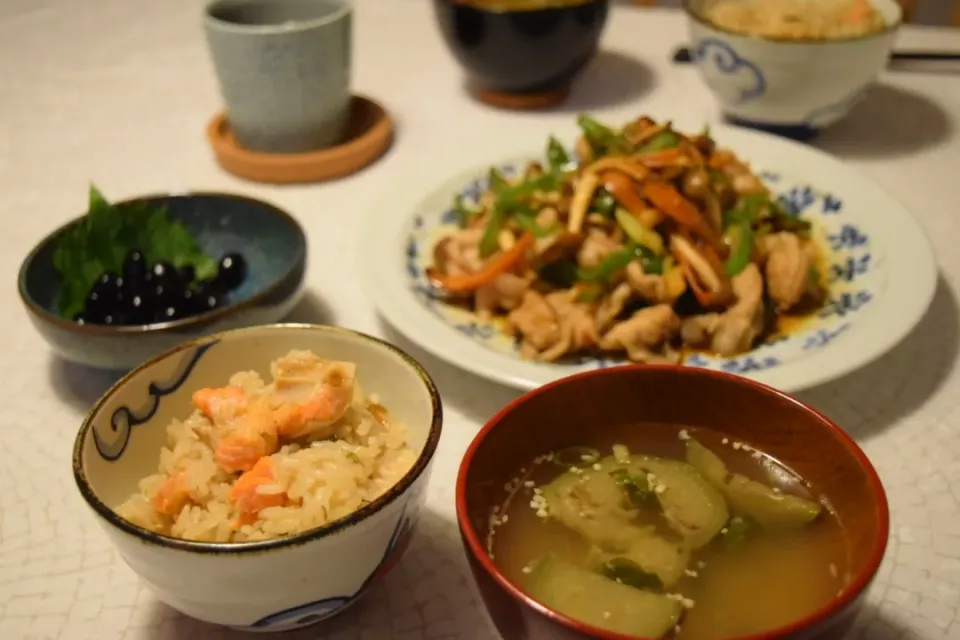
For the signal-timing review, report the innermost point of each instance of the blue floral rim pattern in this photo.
(855, 277)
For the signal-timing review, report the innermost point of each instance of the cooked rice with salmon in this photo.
(797, 19)
(261, 460)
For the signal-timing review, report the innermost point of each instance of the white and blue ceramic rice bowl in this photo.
(271, 585)
(790, 87)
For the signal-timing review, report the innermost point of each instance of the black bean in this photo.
(209, 300)
(134, 266)
(187, 273)
(140, 309)
(231, 270)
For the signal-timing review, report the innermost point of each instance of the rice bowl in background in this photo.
(795, 81)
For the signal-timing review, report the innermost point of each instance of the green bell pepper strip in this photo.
(602, 139)
(496, 181)
(652, 263)
(747, 210)
(619, 260)
(509, 200)
(490, 240)
(556, 155)
(666, 139)
(740, 235)
(603, 203)
(528, 222)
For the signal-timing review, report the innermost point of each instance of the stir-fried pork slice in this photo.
(656, 288)
(459, 253)
(536, 322)
(577, 327)
(596, 246)
(643, 335)
(505, 293)
(735, 330)
(612, 305)
(790, 260)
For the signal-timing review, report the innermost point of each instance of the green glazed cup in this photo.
(283, 67)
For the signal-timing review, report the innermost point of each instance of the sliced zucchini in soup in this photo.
(655, 554)
(692, 507)
(591, 598)
(769, 508)
(594, 505)
(707, 463)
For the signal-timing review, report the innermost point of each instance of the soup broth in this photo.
(666, 532)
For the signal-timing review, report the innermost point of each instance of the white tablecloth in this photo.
(117, 93)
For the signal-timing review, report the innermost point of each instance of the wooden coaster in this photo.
(369, 136)
(523, 101)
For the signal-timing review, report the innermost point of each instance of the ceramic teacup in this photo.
(284, 70)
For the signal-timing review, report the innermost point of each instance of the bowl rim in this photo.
(475, 546)
(423, 460)
(340, 9)
(889, 27)
(298, 263)
(500, 8)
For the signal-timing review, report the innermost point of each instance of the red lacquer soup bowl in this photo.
(577, 410)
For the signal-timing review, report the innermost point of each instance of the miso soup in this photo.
(665, 532)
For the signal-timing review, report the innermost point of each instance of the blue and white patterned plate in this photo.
(882, 274)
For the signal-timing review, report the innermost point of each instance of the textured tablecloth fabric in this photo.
(117, 93)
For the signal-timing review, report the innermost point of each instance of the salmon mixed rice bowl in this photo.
(259, 460)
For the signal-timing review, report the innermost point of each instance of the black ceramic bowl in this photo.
(271, 240)
(509, 49)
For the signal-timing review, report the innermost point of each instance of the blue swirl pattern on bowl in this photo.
(855, 277)
(728, 62)
(124, 419)
(313, 612)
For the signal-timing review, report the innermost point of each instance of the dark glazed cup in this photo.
(525, 51)
(555, 416)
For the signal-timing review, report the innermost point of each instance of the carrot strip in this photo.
(624, 191)
(501, 263)
(666, 198)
